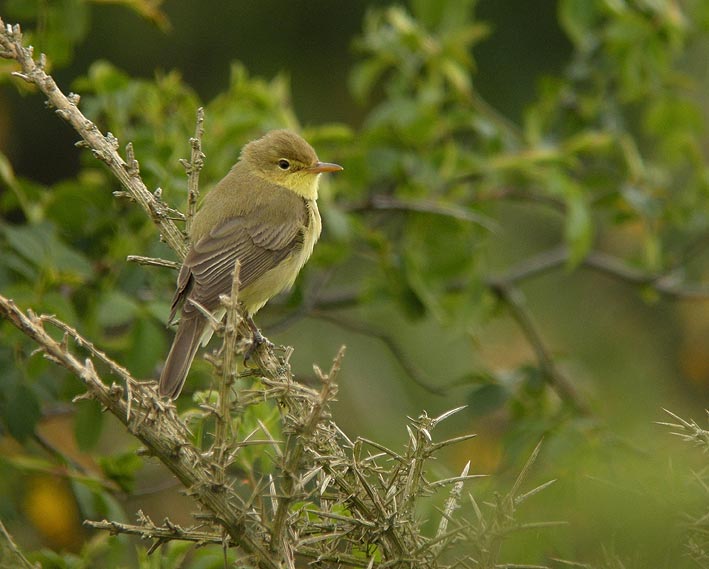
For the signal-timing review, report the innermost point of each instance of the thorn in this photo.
(132, 166)
(21, 76)
(122, 194)
(447, 414)
(112, 140)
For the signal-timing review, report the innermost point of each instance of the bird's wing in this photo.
(208, 268)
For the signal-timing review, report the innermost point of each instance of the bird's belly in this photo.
(271, 283)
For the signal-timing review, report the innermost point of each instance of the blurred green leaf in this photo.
(116, 309)
(148, 347)
(41, 246)
(579, 19)
(95, 502)
(487, 398)
(21, 411)
(54, 302)
(88, 425)
(578, 230)
(365, 76)
(29, 241)
(122, 468)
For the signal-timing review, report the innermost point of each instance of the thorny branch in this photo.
(318, 466)
(168, 531)
(156, 425)
(193, 168)
(226, 372)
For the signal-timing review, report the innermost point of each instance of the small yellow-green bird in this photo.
(263, 213)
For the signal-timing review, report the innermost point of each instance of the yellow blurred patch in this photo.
(50, 506)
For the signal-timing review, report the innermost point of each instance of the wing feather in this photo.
(207, 270)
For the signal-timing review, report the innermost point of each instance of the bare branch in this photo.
(153, 262)
(381, 202)
(409, 367)
(193, 168)
(10, 555)
(512, 298)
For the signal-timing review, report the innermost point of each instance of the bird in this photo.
(264, 214)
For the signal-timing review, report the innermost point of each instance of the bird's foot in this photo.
(257, 340)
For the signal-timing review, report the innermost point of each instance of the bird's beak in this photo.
(319, 167)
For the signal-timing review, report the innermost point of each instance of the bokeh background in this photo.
(626, 488)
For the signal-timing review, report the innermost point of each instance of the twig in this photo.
(663, 283)
(116, 368)
(73, 469)
(10, 554)
(399, 355)
(511, 194)
(167, 532)
(385, 202)
(534, 266)
(227, 371)
(103, 147)
(557, 381)
(153, 262)
(193, 168)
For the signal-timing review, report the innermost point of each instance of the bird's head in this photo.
(284, 158)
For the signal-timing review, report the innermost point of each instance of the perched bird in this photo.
(263, 213)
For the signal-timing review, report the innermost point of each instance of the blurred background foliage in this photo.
(492, 152)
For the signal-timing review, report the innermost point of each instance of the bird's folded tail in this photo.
(179, 360)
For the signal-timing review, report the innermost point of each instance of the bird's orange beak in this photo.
(319, 167)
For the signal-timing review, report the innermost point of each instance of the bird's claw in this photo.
(257, 340)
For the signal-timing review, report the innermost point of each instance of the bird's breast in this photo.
(282, 276)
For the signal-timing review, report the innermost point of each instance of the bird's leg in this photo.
(257, 339)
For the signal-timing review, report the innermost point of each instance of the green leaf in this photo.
(365, 76)
(116, 309)
(59, 304)
(487, 398)
(88, 423)
(21, 412)
(30, 241)
(96, 503)
(70, 263)
(40, 245)
(148, 345)
(578, 229)
(122, 468)
(579, 18)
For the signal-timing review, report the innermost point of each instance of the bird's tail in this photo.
(179, 360)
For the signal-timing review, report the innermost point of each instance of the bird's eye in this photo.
(283, 164)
